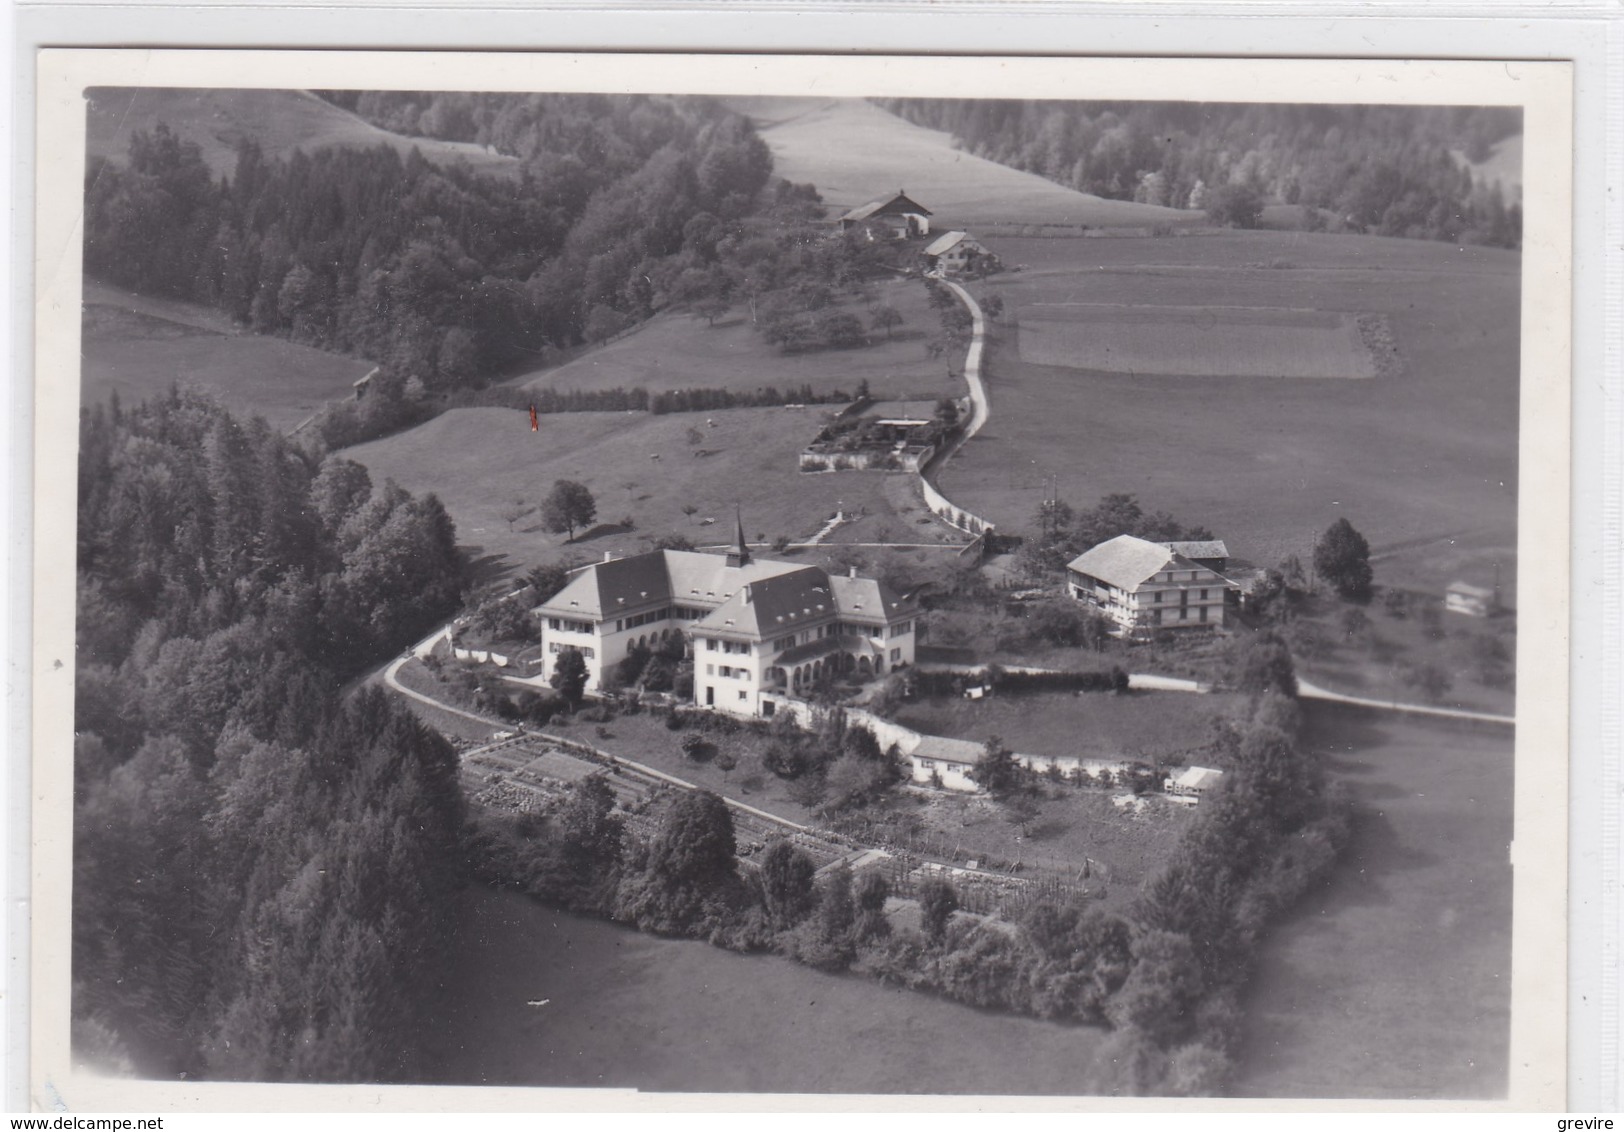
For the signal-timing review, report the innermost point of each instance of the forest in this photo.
(259, 862)
(439, 274)
(1385, 170)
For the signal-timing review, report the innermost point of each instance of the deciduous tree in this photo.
(1342, 558)
(568, 506)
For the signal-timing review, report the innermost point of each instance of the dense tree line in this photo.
(1258, 843)
(259, 866)
(439, 273)
(1381, 169)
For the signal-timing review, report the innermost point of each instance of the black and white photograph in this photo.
(901, 580)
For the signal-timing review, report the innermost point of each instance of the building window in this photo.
(1203, 595)
(743, 695)
(902, 629)
(710, 670)
(710, 644)
(1158, 597)
(896, 655)
(1203, 613)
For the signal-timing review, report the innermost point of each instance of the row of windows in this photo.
(1184, 596)
(1184, 614)
(565, 625)
(585, 650)
(740, 648)
(641, 619)
(727, 670)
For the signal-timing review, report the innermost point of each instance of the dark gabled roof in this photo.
(870, 600)
(767, 607)
(620, 584)
(900, 203)
(1211, 548)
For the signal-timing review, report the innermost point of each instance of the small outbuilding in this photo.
(1473, 601)
(1193, 782)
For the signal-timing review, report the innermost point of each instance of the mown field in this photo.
(1206, 341)
(280, 121)
(855, 152)
(1394, 979)
(1424, 463)
(139, 346)
(680, 351)
(478, 461)
(628, 1010)
(1093, 725)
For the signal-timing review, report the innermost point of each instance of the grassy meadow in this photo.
(478, 461)
(1208, 341)
(1091, 725)
(679, 351)
(855, 152)
(138, 347)
(279, 120)
(1392, 980)
(1423, 463)
(629, 1010)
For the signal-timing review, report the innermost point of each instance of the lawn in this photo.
(645, 738)
(679, 351)
(1423, 463)
(479, 460)
(855, 152)
(1205, 341)
(139, 347)
(279, 120)
(1146, 726)
(1394, 979)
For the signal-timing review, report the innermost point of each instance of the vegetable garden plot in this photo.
(1194, 341)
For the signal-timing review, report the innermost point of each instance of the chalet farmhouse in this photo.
(1146, 586)
(954, 252)
(895, 218)
(754, 628)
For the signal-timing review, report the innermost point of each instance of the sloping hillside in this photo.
(279, 120)
(854, 152)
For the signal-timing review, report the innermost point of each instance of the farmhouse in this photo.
(886, 435)
(954, 252)
(754, 628)
(1144, 586)
(896, 218)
